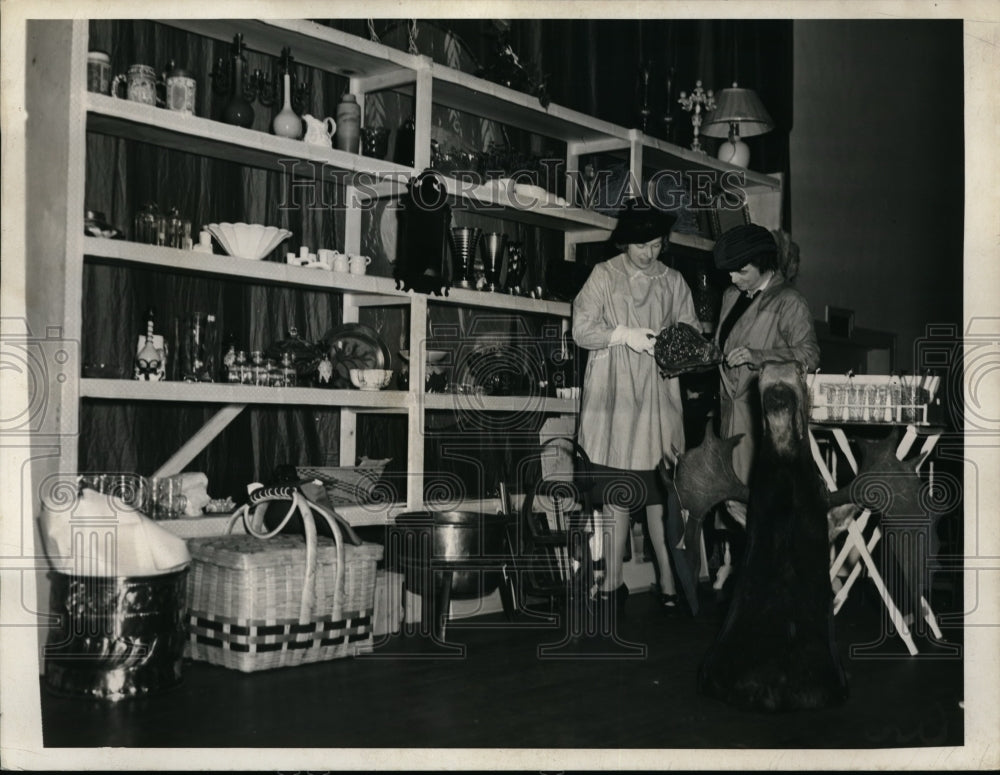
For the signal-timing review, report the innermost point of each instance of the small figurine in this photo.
(151, 354)
(325, 370)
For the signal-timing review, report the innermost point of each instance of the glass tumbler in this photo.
(838, 401)
(856, 403)
(198, 347)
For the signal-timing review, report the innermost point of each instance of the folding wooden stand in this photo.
(855, 531)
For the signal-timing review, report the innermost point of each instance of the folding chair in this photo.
(855, 539)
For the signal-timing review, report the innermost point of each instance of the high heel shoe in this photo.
(609, 609)
(669, 604)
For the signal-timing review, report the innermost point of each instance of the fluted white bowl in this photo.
(371, 379)
(248, 240)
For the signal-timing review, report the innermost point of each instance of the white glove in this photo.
(639, 339)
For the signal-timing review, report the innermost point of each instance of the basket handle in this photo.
(259, 498)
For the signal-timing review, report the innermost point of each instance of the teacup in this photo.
(359, 264)
(340, 262)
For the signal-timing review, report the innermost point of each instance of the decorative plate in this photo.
(354, 346)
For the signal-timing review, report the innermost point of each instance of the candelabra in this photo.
(231, 77)
(644, 110)
(668, 118)
(694, 103)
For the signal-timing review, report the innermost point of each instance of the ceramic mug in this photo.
(140, 84)
(359, 264)
(340, 262)
(326, 257)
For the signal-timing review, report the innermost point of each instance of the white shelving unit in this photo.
(66, 111)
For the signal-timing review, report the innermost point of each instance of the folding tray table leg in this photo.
(894, 615)
(841, 597)
(930, 618)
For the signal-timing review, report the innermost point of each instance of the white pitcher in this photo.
(319, 131)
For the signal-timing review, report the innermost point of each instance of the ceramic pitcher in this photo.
(319, 131)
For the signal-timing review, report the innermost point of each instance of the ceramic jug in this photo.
(319, 131)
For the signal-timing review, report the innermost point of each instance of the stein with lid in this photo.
(181, 90)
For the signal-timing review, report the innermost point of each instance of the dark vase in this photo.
(238, 111)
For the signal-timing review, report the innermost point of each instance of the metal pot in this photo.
(430, 541)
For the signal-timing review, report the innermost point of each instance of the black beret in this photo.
(738, 246)
(639, 223)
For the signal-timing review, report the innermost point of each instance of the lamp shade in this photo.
(737, 106)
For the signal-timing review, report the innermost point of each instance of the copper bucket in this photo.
(116, 637)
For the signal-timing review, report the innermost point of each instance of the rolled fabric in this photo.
(96, 534)
(738, 246)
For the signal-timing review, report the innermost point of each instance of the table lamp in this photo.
(737, 112)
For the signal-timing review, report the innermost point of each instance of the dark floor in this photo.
(503, 693)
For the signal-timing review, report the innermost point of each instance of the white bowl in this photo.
(248, 240)
(371, 379)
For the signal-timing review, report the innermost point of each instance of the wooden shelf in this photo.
(393, 401)
(502, 301)
(487, 199)
(666, 156)
(516, 404)
(172, 259)
(469, 94)
(695, 241)
(312, 44)
(215, 139)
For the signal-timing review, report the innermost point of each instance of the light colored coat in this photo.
(629, 415)
(777, 323)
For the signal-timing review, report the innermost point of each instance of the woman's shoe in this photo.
(669, 604)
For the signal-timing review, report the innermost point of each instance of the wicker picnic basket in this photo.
(288, 600)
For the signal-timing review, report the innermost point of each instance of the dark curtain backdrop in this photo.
(590, 65)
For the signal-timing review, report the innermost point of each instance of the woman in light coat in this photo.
(630, 416)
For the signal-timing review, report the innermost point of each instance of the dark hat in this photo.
(740, 245)
(639, 222)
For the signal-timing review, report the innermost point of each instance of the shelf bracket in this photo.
(205, 435)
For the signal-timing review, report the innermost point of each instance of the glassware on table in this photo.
(895, 399)
(879, 404)
(855, 403)
(837, 401)
(912, 401)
